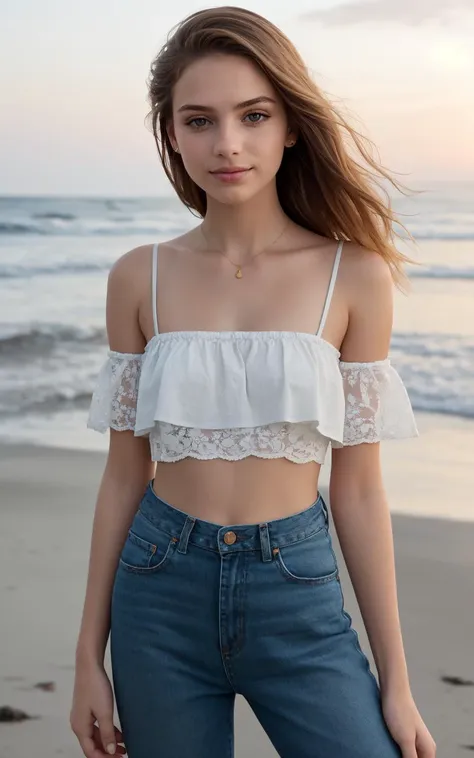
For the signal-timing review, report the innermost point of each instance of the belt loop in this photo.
(325, 509)
(185, 532)
(265, 542)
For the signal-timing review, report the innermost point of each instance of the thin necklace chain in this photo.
(239, 266)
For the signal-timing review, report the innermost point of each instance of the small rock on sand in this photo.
(13, 714)
(46, 686)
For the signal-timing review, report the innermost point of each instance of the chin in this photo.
(233, 195)
(232, 198)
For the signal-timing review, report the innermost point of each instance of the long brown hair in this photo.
(320, 185)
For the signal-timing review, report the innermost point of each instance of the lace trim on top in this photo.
(298, 442)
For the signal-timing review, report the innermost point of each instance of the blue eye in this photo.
(261, 116)
(193, 121)
(200, 121)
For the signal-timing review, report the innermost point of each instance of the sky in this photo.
(73, 86)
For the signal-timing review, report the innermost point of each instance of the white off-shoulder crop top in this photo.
(231, 394)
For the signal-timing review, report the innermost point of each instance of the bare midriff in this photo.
(252, 490)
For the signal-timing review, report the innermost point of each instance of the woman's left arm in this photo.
(361, 514)
(363, 525)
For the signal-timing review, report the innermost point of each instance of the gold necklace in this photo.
(239, 266)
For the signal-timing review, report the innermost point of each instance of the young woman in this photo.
(239, 352)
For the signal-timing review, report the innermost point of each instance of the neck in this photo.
(242, 231)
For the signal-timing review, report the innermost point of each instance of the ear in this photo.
(292, 137)
(172, 136)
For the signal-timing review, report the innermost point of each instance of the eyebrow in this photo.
(245, 104)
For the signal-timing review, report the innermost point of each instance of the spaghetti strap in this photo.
(329, 294)
(154, 276)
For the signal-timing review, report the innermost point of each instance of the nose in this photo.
(228, 141)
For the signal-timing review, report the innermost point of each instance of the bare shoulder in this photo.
(136, 263)
(367, 284)
(128, 279)
(131, 268)
(364, 271)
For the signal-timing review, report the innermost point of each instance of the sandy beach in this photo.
(47, 500)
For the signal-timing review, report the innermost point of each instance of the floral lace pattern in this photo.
(377, 404)
(114, 401)
(299, 442)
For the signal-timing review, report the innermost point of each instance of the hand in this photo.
(406, 725)
(93, 702)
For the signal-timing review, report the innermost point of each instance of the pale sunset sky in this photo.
(73, 85)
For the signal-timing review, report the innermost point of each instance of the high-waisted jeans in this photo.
(201, 612)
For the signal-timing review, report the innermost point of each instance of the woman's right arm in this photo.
(122, 486)
(128, 470)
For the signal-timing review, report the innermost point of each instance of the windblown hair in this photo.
(320, 185)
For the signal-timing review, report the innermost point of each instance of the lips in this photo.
(232, 170)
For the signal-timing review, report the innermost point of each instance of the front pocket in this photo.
(309, 561)
(147, 548)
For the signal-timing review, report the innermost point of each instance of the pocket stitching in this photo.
(304, 579)
(289, 576)
(140, 542)
(149, 569)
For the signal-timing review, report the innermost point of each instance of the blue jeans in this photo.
(201, 612)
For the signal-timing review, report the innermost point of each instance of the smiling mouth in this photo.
(236, 170)
(233, 176)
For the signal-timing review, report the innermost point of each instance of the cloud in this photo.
(406, 12)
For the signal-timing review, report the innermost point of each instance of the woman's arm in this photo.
(358, 502)
(123, 483)
(127, 471)
(363, 524)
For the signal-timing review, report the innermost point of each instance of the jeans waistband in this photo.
(233, 537)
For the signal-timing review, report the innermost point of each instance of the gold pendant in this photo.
(238, 274)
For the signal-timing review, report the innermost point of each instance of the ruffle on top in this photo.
(226, 380)
(239, 388)
(377, 406)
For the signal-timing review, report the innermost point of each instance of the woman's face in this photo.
(227, 115)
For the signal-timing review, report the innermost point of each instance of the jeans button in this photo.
(230, 538)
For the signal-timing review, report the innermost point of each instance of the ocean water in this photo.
(55, 254)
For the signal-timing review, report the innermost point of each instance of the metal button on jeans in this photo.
(230, 538)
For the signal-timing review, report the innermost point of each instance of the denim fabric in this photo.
(202, 611)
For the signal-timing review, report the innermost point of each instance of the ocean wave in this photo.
(39, 340)
(448, 347)
(116, 228)
(26, 271)
(11, 228)
(437, 370)
(446, 406)
(55, 216)
(442, 272)
(432, 393)
(442, 235)
(51, 402)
